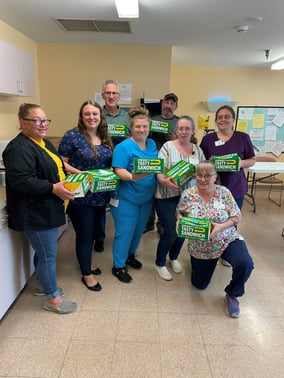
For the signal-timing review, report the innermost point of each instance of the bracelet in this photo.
(235, 223)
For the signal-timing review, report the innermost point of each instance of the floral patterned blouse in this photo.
(74, 146)
(221, 207)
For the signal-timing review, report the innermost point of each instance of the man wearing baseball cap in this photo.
(168, 106)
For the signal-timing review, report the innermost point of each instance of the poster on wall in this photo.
(265, 126)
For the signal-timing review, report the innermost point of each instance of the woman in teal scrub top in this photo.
(131, 205)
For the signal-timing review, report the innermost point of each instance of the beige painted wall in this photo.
(9, 104)
(69, 74)
(247, 86)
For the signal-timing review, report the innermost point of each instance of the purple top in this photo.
(239, 143)
(74, 146)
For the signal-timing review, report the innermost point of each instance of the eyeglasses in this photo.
(206, 177)
(184, 129)
(227, 116)
(38, 121)
(111, 93)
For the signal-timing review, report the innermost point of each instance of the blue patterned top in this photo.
(75, 147)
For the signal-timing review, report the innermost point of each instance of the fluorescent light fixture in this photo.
(278, 65)
(127, 8)
(219, 98)
(212, 106)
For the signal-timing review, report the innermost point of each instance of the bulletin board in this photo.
(265, 126)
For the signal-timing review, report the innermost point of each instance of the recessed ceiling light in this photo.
(278, 65)
(127, 8)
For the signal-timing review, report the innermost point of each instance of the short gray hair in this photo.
(207, 166)
(110, 82)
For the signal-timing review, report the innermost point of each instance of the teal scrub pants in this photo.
(130, 221)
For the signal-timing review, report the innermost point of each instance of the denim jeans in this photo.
(89, 225)
(242, 265)
(44, 243)
(169, 243)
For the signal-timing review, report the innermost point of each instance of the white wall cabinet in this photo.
(8, 68)
(17, 71)
(16, 266)
(16, 262)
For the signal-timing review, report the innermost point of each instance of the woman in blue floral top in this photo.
(88, 147)
(216, 203)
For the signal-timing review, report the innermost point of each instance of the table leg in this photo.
(252, 192)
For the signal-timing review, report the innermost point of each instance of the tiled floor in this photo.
(153, 328)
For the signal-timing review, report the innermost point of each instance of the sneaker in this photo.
(225, 263)
(133, 262)
(176, 266)
(121, 274)
(163, 273)
(232, 306)
(40, 293)
(65, 307)
(99, 246)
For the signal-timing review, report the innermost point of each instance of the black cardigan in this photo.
(30, 173)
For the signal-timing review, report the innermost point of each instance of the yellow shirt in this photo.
(54, 157)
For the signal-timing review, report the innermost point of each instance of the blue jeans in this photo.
(44, 243)
(89, 225)
(130, 221)
(238, 256)
(169, 243)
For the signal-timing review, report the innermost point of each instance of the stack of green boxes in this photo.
(148, 165)
(226, 163)
(119, 130)
(181, 172)
(194, 228)
(78, 183)
(160, 127)
(98, 180)
(103, 180)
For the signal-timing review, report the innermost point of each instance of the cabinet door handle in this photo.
(20, 87)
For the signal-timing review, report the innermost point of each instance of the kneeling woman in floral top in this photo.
(216, 203)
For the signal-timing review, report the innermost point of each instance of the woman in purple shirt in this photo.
(227, 141)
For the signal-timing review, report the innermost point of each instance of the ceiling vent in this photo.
(94, 25)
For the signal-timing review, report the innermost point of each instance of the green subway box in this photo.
(181, 172)
(103, 180)
(226, 163)
(118, 130)
(78, 183)
(194, 228)
(148, 165)
(160, 127)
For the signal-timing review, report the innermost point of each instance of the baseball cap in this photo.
(171, 95)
